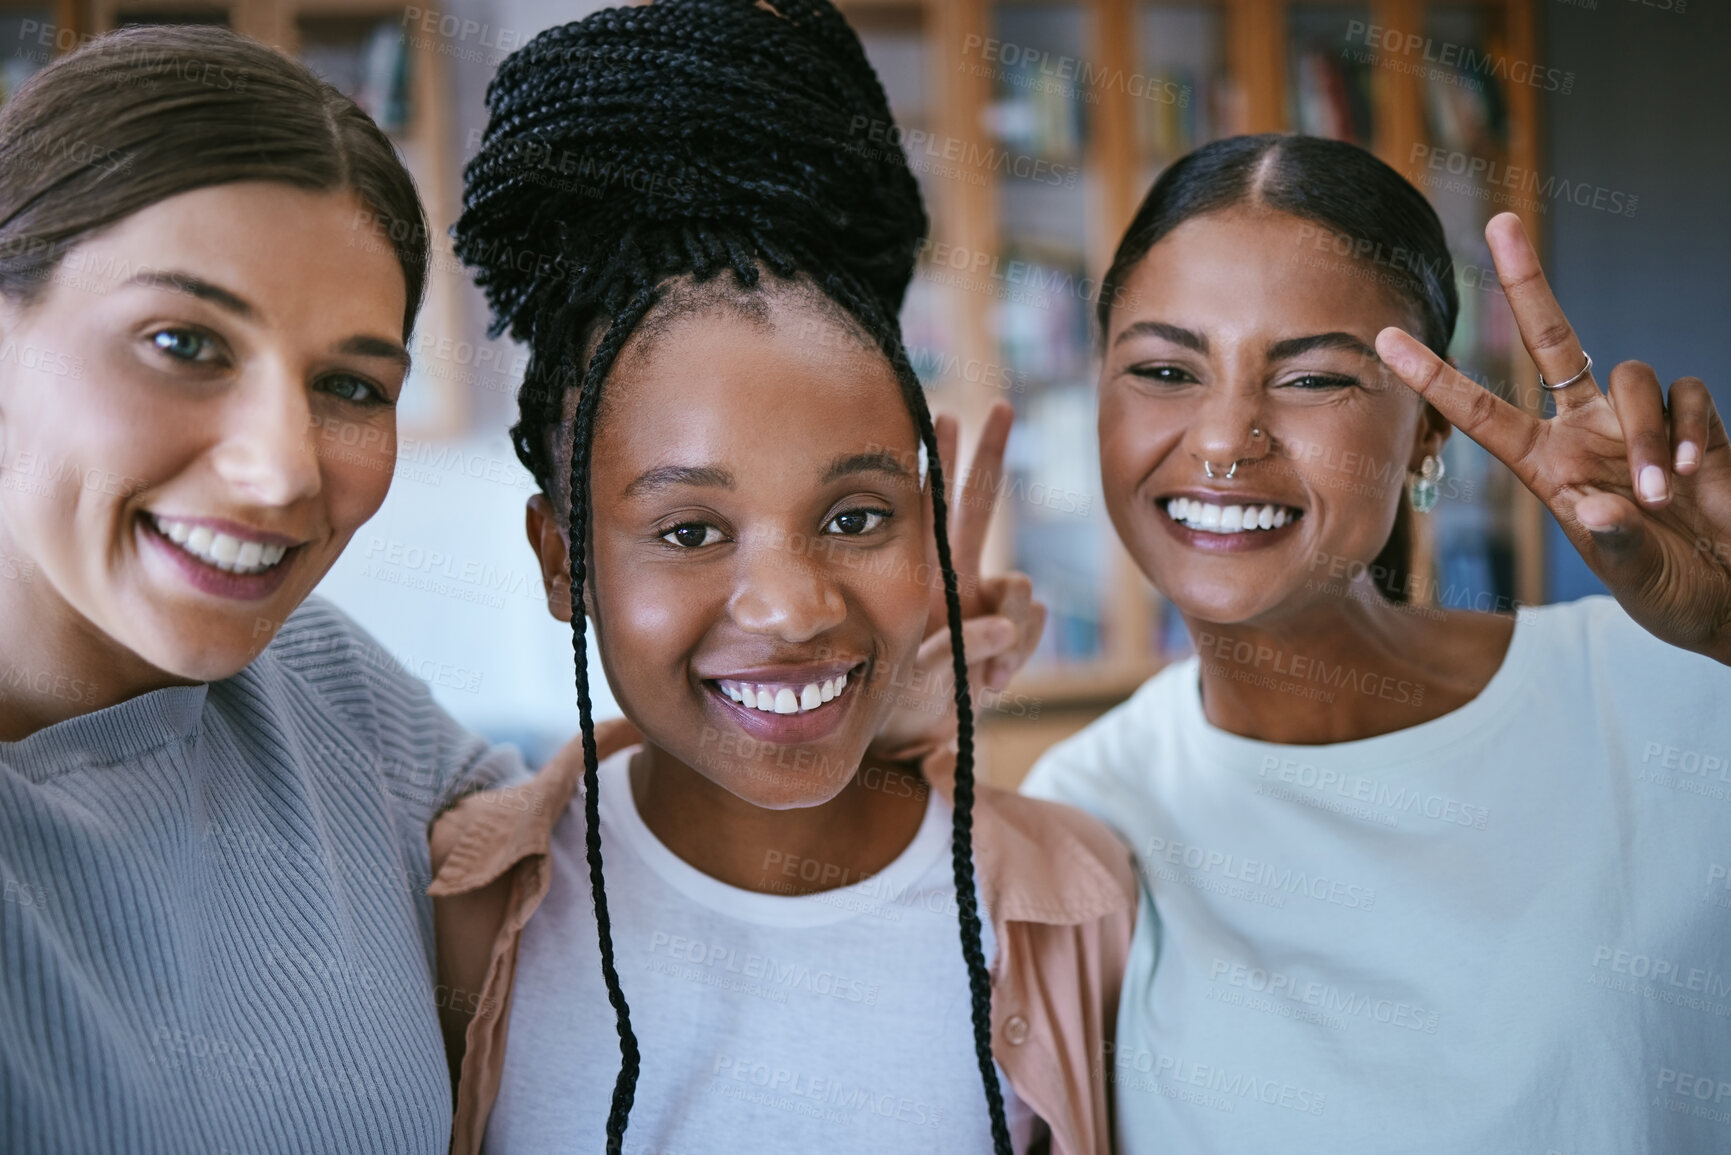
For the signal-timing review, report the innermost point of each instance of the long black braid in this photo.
(696, 139)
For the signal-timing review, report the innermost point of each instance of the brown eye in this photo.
(854, 522)
(1318, 381)
(690, 535)
(1164, 374)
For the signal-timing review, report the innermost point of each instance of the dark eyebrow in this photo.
(877, 462)
(364, 346)
(713, 476)
(196, 287)
(1178, 336)
(1293, 346)
(667, 476)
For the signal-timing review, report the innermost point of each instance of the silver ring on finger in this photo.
(1585, 369)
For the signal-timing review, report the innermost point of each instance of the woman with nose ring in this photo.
(1231, 470)
(1415, 879)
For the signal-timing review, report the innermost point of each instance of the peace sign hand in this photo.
(1001, 621)
(1641, 485)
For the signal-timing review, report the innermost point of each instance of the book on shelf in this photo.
(1331, 98)
(1465, 111)
(1041, 319)
(1169, 128)
(1037, 114)
(367, 60)
(1061, 532)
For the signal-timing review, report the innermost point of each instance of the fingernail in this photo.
(1653, 484)
(1687, 455)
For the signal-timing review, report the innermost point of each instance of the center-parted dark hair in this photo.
(691, 140)
(1376, 212)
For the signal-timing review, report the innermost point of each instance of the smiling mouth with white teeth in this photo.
(220, 550)
(1210, 518)
(783, 697)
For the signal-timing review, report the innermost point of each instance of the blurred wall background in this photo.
(1657, 121)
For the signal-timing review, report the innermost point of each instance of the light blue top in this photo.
(215, 935)
(1506, 929)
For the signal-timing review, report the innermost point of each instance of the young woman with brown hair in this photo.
(214, 790)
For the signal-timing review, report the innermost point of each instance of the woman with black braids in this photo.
(736, 460)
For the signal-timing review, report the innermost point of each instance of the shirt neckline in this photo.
(111, 735)
(618, 808)
(1469, 722)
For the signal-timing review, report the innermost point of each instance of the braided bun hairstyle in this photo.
(695, 139)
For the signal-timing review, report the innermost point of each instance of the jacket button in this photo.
(1016, 1030)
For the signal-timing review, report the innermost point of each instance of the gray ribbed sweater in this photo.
(214, 934)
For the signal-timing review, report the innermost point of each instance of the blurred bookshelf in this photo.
(1051, 119)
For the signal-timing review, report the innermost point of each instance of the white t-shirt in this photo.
(836, 1023)
(1507, 929)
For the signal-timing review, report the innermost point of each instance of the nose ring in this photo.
(1208, 466)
